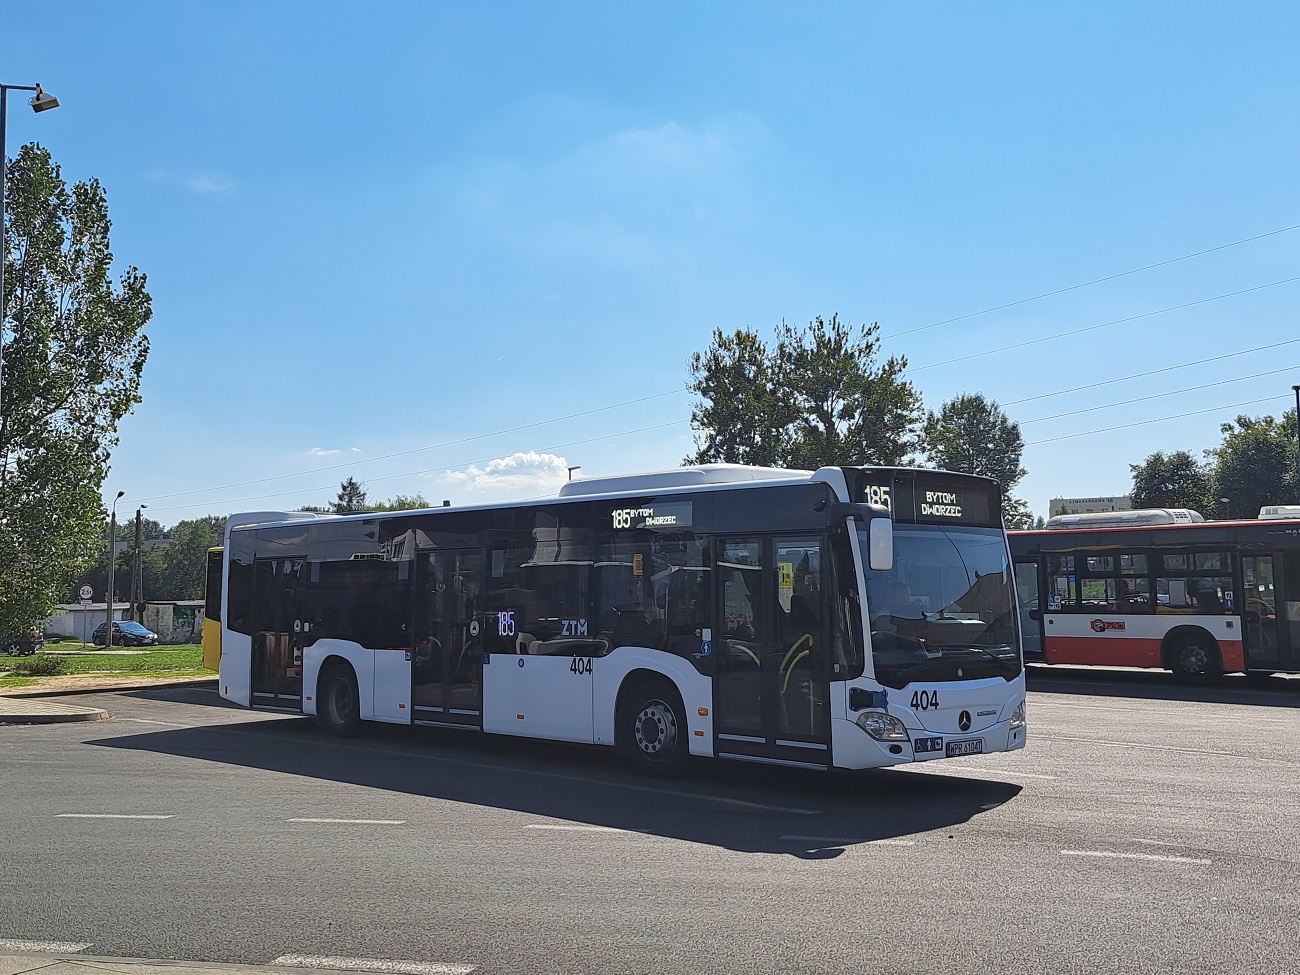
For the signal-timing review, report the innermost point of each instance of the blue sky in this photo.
(454, 249)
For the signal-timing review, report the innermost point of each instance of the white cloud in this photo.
(205, 184)
(331, 451)
(210, 185)
(522, 472)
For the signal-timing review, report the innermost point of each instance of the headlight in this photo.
(1018, 716)
(881, 726)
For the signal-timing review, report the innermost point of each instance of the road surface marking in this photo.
(1137, 744)
(1133, 856)
(108, 816)
(45, 947)
(374, 965)
(354, 822)
(574, 828)
(849, 840)
(940, 766)
(165, 724)
(492, 766)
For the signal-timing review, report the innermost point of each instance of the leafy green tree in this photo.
(1173, 480)
(74, 349)
(1256, 464)
(971, 434)
(352, 497)
(402, 503)
(817, 396)
(182, 562)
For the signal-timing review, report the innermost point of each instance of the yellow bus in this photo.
(212, 611)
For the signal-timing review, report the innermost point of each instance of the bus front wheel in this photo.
(1195, 659)
(652, 729)
(338, 703)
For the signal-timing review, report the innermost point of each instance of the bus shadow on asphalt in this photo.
(744, 808)
(1256, 689)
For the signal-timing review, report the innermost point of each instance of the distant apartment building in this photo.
(1082, 506)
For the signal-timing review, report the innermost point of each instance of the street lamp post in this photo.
(137, 576)
(112, 563)
(42, 101)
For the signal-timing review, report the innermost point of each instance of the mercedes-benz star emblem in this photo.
(963, 721)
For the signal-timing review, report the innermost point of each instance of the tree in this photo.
(1256, 463)
(184, 559)
(402, 503)
(971, 434)
(816, 397)
(1174, 480)
(74, 349)
(352, 497)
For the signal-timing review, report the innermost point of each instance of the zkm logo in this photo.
(1101, 626)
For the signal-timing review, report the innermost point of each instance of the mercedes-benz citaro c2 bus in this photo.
(849, 617)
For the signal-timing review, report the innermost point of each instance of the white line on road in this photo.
(165, 724)
(108, 816)
(354, 822)
(574, 828)
(44, 947)
(1145, 745)
(521, 770)
(374, 965)
(939, 767)
(846, 840)
(1133, 856)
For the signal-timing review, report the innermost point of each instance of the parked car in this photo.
(127, 633)
(21, 644)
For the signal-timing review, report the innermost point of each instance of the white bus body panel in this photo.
(393, 686)
(696, 691)
(536, 696)
(236, 665)
(363, 664)
(989, 702)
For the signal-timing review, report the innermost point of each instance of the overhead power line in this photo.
(1172, 392)
(1153, 372)
(1159, 419)
(1088, 284)
(1093, 328)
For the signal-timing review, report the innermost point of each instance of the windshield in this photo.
(131, 627)
(946, 611)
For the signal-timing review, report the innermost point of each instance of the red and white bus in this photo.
(1163, 588)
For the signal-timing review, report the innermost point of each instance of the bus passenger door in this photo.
(277, 634)
(1031, 608)
(768, 650)
(447, 655)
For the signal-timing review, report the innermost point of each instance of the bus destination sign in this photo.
(931, 498)
(658, 517)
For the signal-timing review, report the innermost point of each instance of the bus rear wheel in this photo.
(338, 702)
(1195, 659)
(652, 729)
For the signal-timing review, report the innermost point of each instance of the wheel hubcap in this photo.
(656, 728)
(1194, 659)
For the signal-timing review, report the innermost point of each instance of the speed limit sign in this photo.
(85, 593)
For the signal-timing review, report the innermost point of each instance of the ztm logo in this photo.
(1101, 626)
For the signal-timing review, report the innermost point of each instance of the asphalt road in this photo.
(1147, 828)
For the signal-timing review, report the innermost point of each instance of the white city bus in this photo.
(850, 618)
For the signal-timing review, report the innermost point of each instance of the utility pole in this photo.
(137, 577)
(109, 598)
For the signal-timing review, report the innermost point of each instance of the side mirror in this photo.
(881, 541)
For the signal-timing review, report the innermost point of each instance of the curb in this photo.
(57, 714)
(126, 685)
